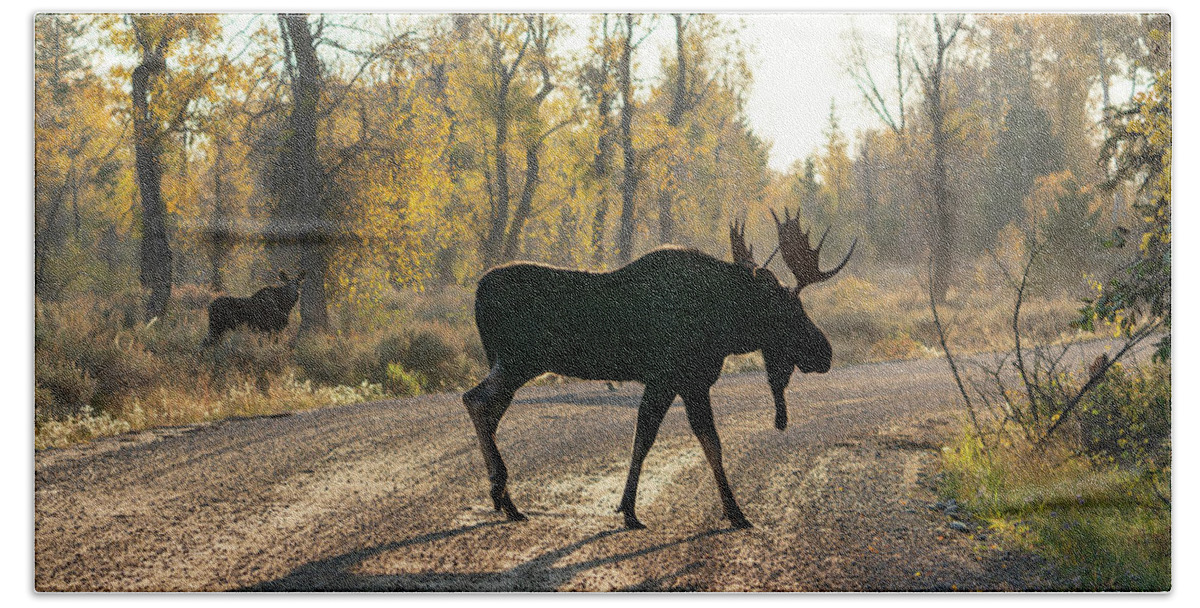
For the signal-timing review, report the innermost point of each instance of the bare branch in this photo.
(937, 322)
(865, 81)
(1020, 363)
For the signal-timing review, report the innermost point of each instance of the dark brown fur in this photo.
(667, 320)
(266, 311)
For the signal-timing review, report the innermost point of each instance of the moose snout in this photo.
(818, 359)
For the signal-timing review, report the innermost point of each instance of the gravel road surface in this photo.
(393, 495)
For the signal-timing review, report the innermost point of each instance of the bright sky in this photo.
(798, 67)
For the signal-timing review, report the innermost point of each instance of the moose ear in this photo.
(283, 276)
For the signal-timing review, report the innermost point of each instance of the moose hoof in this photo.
(632, 523)
(740, 522)
(510, 510)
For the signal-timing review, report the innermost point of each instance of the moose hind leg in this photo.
(655, 402)
(700, 417)
(486, 403)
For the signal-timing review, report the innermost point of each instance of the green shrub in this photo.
(90, 334)
(121, 369)
(43, 403)
(1126, 419)
(100, 369)
(324, 359)
(252, 353)
(1101, 528)
(390, 349)
(438, 354)
(473, 348)
(1105, 520)
(401, 382)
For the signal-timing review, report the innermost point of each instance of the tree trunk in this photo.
(540, 37)
(602, 163)
(308, 214)
(1106, 101)
(47, 243)
(446, 256)
(679, 105)
(499, 218)
(941, 225)
(603, 168)
(219, 237)
(155, 271)
(629, 181)
(942, 233)
(512, 242)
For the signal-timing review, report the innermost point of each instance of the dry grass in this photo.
(99, 370)
(885, 315)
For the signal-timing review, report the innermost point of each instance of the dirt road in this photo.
(393, 496)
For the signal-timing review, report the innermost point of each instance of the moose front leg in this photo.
(700, 417)
(656, 399)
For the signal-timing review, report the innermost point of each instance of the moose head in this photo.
(788, 338)
(287, 293)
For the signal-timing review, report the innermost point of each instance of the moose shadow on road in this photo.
(537, 574)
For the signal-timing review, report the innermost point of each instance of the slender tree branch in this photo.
(937, 322)
(1098, 374)
(1016, 318)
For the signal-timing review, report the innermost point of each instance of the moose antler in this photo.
(801, 258)
(737, 243)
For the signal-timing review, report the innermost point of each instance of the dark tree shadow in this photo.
(538, 574)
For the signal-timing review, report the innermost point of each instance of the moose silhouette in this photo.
(666, 320)
(266, 311)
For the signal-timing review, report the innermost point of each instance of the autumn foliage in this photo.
(395, 158)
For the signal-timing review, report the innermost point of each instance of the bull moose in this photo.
(666, 320)
(266, 311)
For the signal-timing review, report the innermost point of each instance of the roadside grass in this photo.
(100, 372)
(1106, 526)
(883, 315)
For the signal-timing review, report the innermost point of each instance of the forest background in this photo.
(394, 159)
